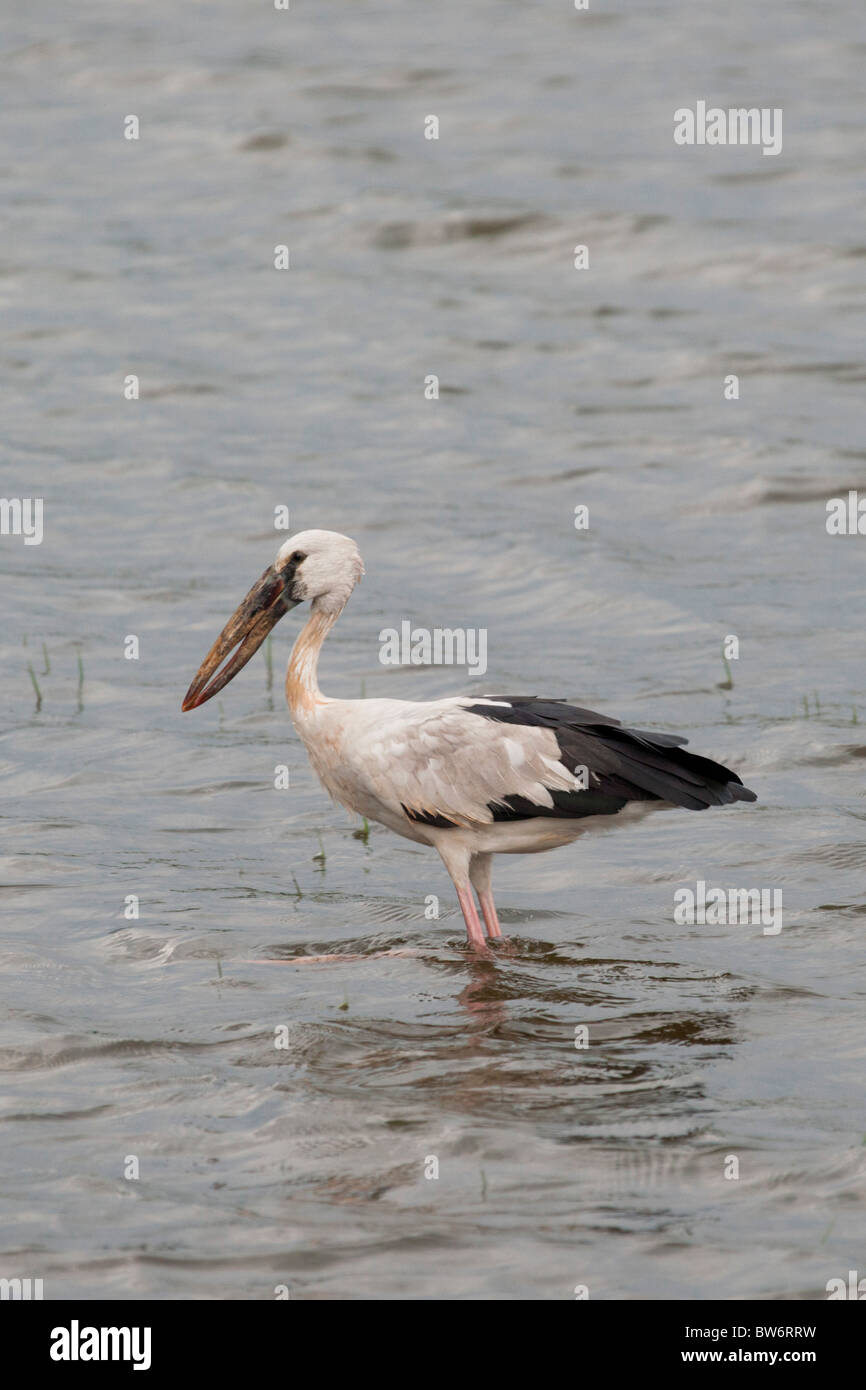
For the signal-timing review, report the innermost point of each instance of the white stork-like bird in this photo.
(472, 777)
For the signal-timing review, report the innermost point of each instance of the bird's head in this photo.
(321, 567)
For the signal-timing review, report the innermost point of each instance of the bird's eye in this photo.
(294, 559)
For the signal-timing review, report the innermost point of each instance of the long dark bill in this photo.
(245, 630)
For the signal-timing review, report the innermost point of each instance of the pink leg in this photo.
(480, 873)
(470, 917)
(488, 907)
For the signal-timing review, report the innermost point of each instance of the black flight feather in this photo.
(624, 764)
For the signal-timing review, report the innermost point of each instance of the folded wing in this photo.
(469, 762)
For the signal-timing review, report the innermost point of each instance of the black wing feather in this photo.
(624, 764)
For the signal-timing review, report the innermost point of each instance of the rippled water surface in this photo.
(305, 1165)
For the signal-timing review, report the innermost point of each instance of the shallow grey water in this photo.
(305, 1166)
